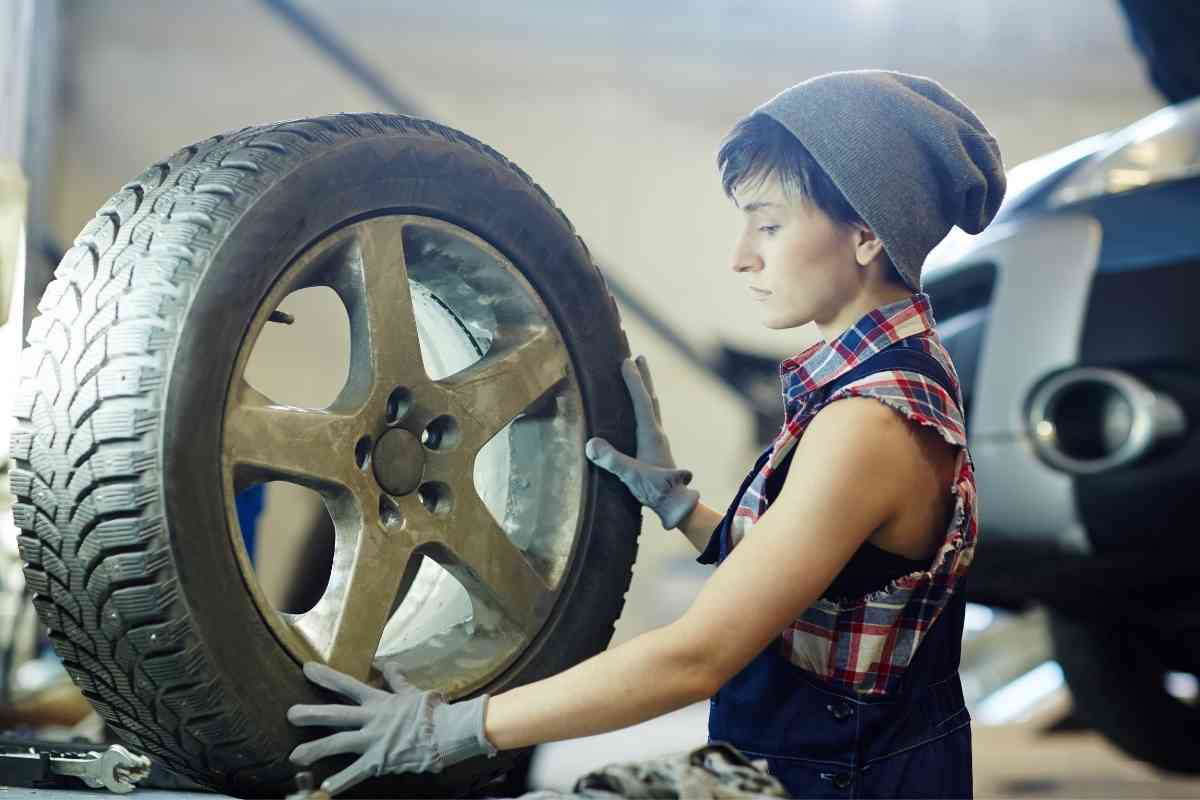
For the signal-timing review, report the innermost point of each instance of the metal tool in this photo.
(306, 789)
(115, 769)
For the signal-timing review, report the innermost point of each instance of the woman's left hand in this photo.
(402, 730)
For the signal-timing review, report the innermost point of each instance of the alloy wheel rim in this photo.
(451, 542)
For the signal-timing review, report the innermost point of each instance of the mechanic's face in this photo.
(798, 254)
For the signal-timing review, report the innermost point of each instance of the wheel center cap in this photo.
(398, 461)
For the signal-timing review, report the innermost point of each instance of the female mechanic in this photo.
(827, 638)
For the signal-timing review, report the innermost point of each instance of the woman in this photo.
(827, 638)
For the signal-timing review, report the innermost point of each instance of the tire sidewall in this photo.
(1116, 678)
(333, 187)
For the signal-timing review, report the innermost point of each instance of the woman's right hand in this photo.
(652, 476)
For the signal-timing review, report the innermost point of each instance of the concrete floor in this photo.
(1011, 762)
(1015, 761)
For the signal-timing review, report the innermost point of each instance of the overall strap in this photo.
(898, 356)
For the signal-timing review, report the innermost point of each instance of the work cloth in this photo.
(844, 703)
(864, 644)
(911, 158)
(712, 771)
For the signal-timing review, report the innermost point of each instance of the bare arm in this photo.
(698, 526)
(608, 691)
(810, 531)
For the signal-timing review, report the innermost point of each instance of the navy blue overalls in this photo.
(824, 741)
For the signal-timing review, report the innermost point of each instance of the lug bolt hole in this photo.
(441, 434)
(389, 512)
(398, 405)
(436, 497)
(362, 452)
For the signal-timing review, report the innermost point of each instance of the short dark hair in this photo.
(759, 147)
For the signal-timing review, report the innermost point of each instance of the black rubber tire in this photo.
(1115, 672)
(117, 441)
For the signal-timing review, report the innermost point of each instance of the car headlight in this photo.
(1162, 147)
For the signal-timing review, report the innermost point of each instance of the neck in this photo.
(852, 312)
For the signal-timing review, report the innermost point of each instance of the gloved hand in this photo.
(404, 730)
(652, 476)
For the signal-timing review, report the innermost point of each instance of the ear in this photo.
(866, 245)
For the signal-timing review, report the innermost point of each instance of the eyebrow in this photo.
(750, 208)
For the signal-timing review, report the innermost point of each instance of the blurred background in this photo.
(616, 109)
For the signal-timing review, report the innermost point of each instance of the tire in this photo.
(1115, 672)
(118, 441)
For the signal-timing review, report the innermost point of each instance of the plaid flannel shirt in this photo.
(865, 643)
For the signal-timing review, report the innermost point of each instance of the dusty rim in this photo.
(451, 462)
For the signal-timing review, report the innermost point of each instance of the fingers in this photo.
(603, 454)
(328, 716)
(352, 775)
(643, 402)
(395, 678)
(644, 369)
(328, 677)
(332, 745)
(592, 448)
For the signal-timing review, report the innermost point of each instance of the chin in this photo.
(778, 323)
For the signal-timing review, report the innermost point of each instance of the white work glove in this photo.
(652, 476)
(404, 730)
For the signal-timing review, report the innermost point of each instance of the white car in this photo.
(1073, 324)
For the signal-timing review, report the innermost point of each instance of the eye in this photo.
(769, 229)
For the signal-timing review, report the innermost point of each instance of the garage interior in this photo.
(616, 110)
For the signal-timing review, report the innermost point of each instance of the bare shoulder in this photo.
(850, 420)
(907, 464)
(883, 441)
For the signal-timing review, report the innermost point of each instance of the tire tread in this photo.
(87, 414)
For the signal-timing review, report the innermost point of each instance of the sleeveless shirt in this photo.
(864, 643)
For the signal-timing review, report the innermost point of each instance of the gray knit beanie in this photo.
(910, 157)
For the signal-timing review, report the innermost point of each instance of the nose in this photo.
(744, 257)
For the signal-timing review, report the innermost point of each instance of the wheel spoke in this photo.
(395, 500)
(369, 568)
(310, 447)
(382, 320)
(517, 371)
(481, 556)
